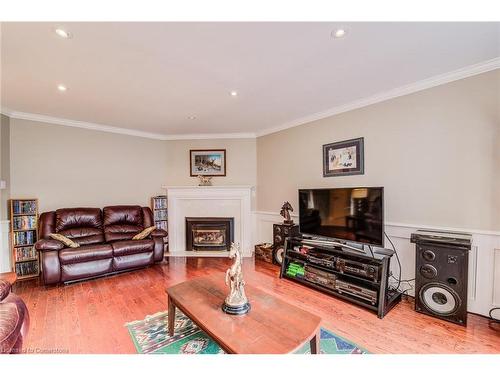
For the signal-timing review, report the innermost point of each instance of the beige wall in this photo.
(241, 161)
(433, 151)
(4, 165)
(70, 167)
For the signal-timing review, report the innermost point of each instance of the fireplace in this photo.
(209, 233)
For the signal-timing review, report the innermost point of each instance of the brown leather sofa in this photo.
(14, 320)
(105, 239)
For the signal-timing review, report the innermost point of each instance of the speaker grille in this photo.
(440, 299)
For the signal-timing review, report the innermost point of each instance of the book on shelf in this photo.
(160, 202)
(23, 207)
(26, 253)
(27, 222)
(24, 238)
(160, 214)
(162, 225)
(27, 268)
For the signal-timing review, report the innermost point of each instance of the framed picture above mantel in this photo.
(344, 158)
(207, 163)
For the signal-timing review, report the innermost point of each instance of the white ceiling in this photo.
(152, 76)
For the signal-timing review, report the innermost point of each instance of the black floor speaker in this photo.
(280, 233)
(442, 262)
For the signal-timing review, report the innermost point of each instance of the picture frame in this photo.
(344, 158)
(211, 162)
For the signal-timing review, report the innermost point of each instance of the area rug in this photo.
(150, 336)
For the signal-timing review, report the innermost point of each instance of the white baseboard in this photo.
(484, 259)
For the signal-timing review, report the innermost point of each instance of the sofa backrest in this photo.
(122, 222)
(82, 225)
(90, 226)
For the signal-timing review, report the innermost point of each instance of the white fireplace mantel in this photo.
(209, 201)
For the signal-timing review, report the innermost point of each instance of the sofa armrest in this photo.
(46, 245)
(4, 289)
(159, 233)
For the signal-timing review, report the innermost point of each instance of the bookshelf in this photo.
(23, 235)
(160, 213)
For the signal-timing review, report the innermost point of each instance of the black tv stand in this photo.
(338, 269)
(331, 243)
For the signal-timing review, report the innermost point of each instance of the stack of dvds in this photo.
(25, 253)
(24, 238)
(27, 222)
(27, 268)
(23, 207)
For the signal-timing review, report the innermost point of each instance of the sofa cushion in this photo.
(121, 248)
(122, 222)
(67, 218)
(121, 232)
(84, 235)
(131, 215)
(85, 254)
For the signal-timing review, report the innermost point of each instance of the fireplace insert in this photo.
(209, 233)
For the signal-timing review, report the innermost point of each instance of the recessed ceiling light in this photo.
(61, 88)
(339, 33)
(63, 33)
(233, 93)
(191, 117)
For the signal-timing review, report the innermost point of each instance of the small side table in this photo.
(11, 277)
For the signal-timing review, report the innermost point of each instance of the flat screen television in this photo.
(346, 214)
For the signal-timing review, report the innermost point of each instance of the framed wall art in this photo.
(344, 158)
(207, 163)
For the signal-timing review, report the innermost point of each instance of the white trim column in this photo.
(5, 264)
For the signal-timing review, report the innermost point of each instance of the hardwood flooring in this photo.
(89, 316)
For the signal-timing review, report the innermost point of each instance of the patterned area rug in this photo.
(150, 336)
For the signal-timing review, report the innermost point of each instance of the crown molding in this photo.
(113, 129)
(411, 88)
(79, 124)
(178, 137)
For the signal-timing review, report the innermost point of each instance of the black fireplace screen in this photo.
(209, 233)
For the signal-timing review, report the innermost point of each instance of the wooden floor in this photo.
(89, 316)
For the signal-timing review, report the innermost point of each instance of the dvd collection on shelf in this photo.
(161, 225)
(27, 268)
(159, 202)
(22, 207)
(24, 238)
(24, 234)
(25, 253)
(160, 212)
(27, 222)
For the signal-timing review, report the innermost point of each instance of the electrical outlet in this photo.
(3, 184)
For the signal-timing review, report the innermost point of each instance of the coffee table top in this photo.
(271, 326)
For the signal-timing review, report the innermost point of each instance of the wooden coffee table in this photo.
(272, 326)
